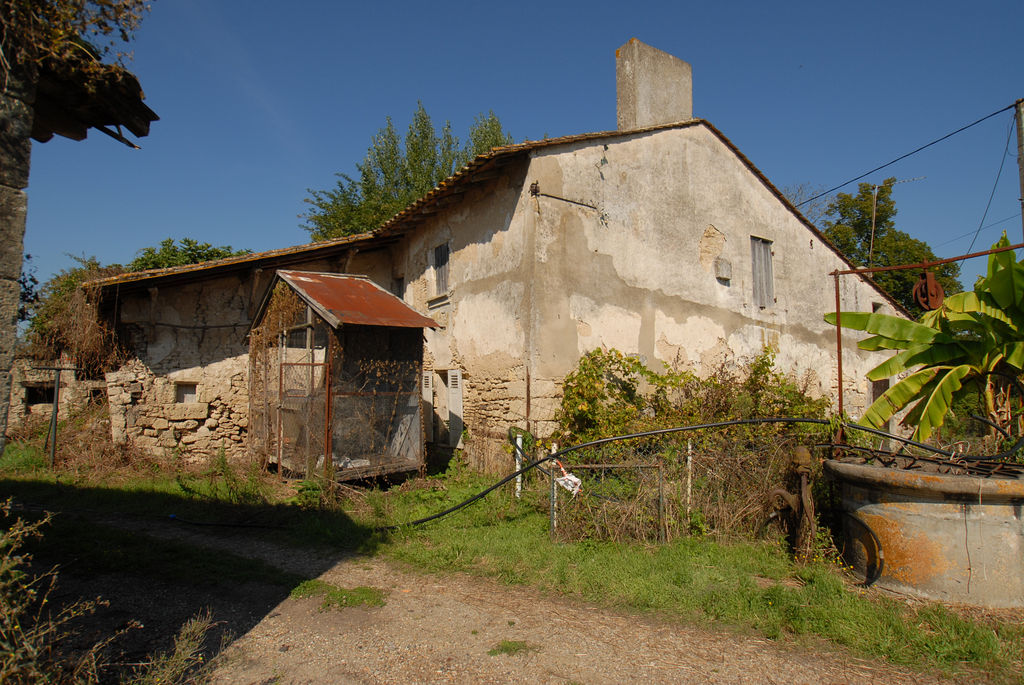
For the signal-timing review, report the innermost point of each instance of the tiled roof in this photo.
(477, 170)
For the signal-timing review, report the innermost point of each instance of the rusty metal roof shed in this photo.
(346, 298)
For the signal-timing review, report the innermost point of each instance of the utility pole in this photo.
(1020, 154)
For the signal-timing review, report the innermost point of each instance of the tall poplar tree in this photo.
(396, 172)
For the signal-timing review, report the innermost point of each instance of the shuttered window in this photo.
(761, 257)
(441, 269)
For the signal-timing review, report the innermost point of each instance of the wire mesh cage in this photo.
(341, 403)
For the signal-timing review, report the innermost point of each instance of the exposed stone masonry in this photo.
(144, 409)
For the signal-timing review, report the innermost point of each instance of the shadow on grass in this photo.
(159, 558)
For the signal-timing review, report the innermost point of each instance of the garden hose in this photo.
(554, 456)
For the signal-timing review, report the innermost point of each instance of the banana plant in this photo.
(975, 336)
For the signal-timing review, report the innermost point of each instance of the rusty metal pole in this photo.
(839, 344)
(328, 417)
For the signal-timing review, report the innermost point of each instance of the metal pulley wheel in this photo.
(928, 291)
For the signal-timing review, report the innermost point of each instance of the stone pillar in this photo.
(16, 100)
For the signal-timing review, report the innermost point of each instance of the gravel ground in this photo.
(441, 628)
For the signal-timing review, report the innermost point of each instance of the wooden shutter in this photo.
(454, 407)
(761, 258)
(427, 403)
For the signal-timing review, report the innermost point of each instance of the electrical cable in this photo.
(680, 429)
(1002, 161)
(902, 157)
(964, 235)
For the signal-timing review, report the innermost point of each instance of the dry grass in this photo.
(84, 448)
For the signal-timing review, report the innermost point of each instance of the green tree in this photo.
(848, 221)
(397, 172)
(485, 133)
(972, 340)
(189, 251)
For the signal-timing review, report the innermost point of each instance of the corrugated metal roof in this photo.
(350, 299)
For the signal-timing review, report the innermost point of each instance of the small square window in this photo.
(38, 393)
(185, 392)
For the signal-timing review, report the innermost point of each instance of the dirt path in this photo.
(439, 629)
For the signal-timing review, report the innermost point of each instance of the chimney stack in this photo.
(652, 87)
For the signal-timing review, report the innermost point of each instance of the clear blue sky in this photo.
(260, 100)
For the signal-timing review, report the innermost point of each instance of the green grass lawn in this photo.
(752, 586)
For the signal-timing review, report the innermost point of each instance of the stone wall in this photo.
(16, 101)
(152, 413)
(29, 384)
(185, 388)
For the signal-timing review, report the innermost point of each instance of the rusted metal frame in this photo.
(839, 352)
(280, 405)
(988, 469)
(877, 269)
(925, 265)
(328, 417)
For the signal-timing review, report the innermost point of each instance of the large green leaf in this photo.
(1000, 260)
(878, 342)
(938, 403)
(887, 326)
(1014, 354)
(916, 356)
(969, 302)
(897, 397)
(1007, 284)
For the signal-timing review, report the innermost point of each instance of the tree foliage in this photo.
(973, 339)
(65, 31)
(64, 320)
(848, 225)
(396, 172)
(28, 289)
(189, 251)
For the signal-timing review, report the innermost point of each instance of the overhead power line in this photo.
(1002, 161)
(902, 157)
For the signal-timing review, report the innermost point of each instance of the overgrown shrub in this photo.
(33, 630)
(723, 492)
(66, 320)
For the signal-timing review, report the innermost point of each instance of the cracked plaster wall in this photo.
(661, 267)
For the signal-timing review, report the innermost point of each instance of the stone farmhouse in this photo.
(660, 239)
